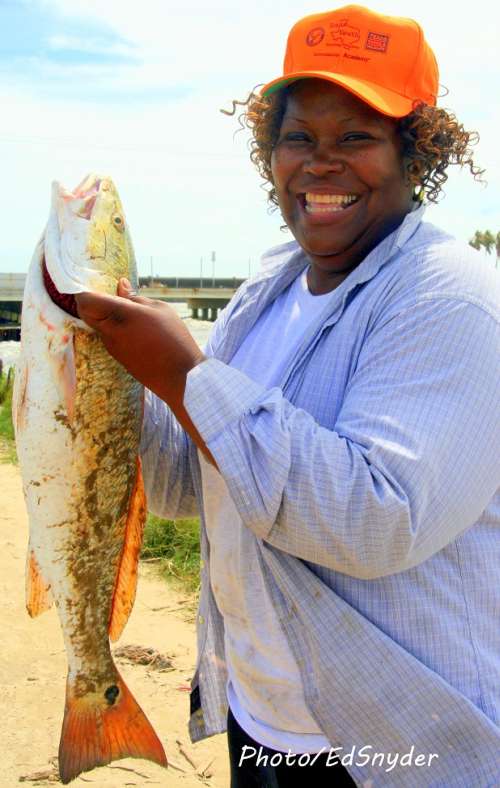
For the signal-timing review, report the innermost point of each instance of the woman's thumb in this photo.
(96, 308)
(125, 290)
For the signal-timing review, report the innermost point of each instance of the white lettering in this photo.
(408, 756)
(244, 755)
(304, 759)
(316, 756)
(276, 759)
(364, 754)
(378, 755)
(348, 758)
(262, 759)
(392, 761)
(333, 758)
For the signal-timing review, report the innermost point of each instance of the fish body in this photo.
(77, 415)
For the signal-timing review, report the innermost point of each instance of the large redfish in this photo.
(77, 415)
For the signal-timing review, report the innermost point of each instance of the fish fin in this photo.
(126, 578)
(63, 363)
(68, 379)
(38, 596)
(19, 398)
(99, 729)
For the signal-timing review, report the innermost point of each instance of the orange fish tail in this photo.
(102, 727)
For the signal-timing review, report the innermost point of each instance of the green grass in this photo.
(175, 547)
(7, 445)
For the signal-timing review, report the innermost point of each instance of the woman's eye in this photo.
(357, 135)
(295, 136)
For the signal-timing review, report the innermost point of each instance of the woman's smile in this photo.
(326, 207)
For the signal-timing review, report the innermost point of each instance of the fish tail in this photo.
(102, 727)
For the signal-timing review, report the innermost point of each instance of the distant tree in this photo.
(487, 241)
(477, 241)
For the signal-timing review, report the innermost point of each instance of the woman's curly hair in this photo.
(432, 140)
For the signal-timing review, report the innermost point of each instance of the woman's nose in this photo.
(323, 160)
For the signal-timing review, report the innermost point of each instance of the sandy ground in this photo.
(33, 671)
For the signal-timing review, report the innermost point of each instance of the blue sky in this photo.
(134, 89)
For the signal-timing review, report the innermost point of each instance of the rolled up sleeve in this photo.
(412, 460)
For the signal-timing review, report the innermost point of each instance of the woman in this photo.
(339, 438)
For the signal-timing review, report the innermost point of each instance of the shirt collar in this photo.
(290, 259)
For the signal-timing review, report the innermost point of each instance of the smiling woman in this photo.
(344, 166)
(340, 438)
(337, 168)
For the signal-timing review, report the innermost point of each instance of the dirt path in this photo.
(33, 671)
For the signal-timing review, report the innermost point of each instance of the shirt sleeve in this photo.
(411, 463)
(166, 450)
(165, 453)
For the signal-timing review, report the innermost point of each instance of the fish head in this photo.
(87, 242)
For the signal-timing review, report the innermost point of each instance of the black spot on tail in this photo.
(111, 694)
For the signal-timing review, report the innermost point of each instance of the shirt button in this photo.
(201, 620)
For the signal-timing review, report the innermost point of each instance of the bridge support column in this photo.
(206, 308)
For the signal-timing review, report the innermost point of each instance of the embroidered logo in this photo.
(345, 34)
(377, 42)
(315, 36)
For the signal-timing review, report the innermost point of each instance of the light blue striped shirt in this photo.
(369, 478)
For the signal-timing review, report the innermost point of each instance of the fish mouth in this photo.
(64, 301)
(85, 195)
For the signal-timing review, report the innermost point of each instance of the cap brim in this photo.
(385, 101)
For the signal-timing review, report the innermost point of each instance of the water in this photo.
(199, 329)
(9, 352)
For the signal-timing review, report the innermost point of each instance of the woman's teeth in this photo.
(327, 203)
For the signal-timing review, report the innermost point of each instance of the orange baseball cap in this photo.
(384, 60)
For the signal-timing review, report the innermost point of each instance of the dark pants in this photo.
(252, 774)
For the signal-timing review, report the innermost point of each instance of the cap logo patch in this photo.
(377, 42)
(315, 36)
(345, 34)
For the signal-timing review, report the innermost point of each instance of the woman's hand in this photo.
(149, 339)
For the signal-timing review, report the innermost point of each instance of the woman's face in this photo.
(339, 178)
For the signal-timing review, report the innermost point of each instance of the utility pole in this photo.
(213, 269)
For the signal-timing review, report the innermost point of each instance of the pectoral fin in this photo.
(19, 399)
(38, 596)
(126, 580)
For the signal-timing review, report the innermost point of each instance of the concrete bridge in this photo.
(11, 294)
(205, 297)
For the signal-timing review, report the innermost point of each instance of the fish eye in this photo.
(118, 222)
